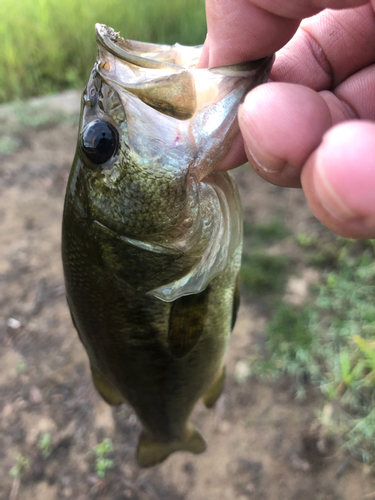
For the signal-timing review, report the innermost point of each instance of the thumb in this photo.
(339, 179)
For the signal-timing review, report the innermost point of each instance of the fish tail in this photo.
(152, 452)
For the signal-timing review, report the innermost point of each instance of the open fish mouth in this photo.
(166, 77)
(152, 55)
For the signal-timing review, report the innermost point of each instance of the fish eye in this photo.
(99, 141)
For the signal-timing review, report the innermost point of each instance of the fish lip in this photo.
(111, 41)
(167, 77)
(109, 38)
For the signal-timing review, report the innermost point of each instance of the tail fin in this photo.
(153, 452)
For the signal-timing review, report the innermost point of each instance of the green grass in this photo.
(262, 272)
(330, 342)
(49, 45)
(265, 233)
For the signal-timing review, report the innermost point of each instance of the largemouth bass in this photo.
(152, 237)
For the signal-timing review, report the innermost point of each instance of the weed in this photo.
(8, 144)
(45, 444)
(22, 462)
(21, 365)
(102, 463)
(305, 240)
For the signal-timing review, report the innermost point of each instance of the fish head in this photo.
(152, 126)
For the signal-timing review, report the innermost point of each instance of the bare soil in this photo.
(263, 444)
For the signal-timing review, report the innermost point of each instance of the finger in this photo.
(205, 56)
(240, 31)
(243, 30)
(328, 48)
(235, 157)
(339, 180)
(357, 94)
(304, 8)
(281, 125)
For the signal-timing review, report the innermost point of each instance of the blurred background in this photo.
(49, 45)
(297, 417)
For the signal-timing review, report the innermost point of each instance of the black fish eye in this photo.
(100, 141)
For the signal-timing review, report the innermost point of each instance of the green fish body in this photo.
(151, 239)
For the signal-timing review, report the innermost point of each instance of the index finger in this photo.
(245, 30)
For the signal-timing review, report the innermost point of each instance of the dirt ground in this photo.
(262, 443)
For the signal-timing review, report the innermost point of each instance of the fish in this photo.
(152, 235)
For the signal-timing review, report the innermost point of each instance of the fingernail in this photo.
(247, 122)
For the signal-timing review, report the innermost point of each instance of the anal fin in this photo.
(105, 389)
(152, 452)
(210, 397)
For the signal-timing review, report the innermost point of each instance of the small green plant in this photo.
(45, 444)
(102, 463)
(305, 240)
(367, 348)
(22, 462)
(349, 373)
(8, 144)
(21, 365)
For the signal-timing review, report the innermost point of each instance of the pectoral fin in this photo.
(153, 452)
(186, 322)
(105, 389)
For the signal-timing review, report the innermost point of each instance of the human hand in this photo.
(313, 125)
